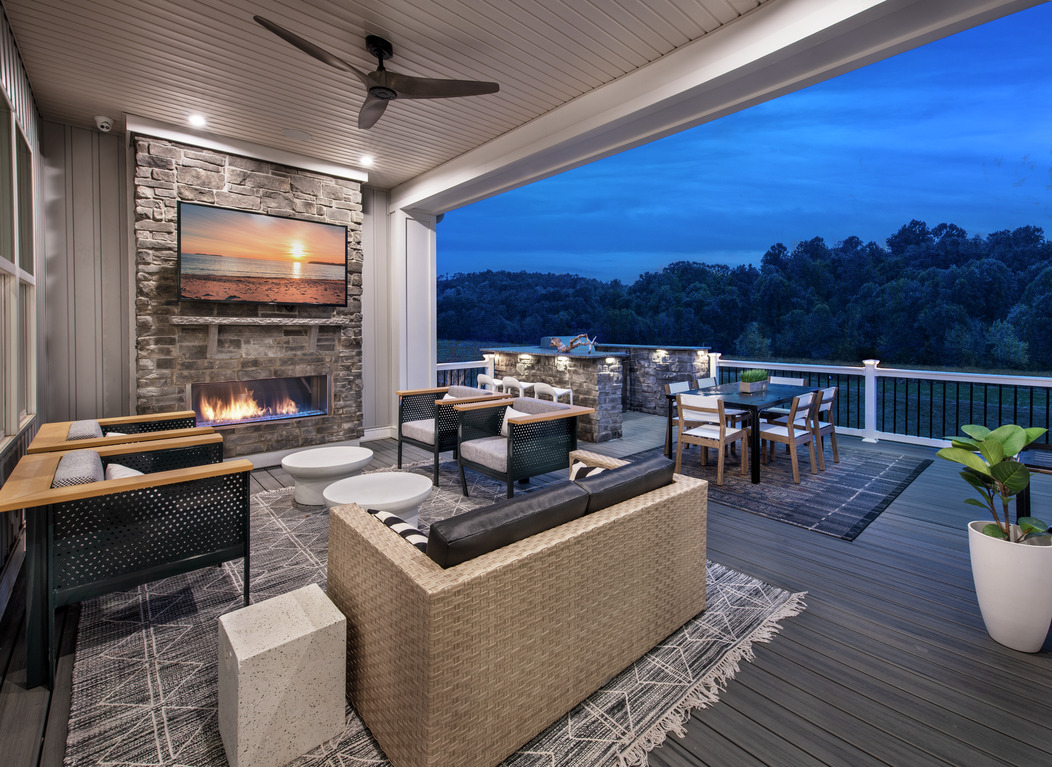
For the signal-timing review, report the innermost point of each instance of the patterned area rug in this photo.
(144, 680)
(840, 501)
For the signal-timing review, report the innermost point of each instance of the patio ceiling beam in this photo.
(780, 47)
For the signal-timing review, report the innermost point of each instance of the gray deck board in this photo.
(889, 664)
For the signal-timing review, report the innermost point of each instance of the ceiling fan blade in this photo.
(311, 49)
(409, 87)
(371, 111)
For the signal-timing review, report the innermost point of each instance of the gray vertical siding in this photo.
(86, 367)
(378, 384)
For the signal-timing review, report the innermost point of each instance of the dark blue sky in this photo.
(957, 131)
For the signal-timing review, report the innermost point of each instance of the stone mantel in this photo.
(214, 324)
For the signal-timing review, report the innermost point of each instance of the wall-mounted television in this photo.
(236, 255)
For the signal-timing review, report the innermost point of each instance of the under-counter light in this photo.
(367, 160)
(611, 360)
(196, 120)
(525, 357)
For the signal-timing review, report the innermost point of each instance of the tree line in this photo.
(931, 296)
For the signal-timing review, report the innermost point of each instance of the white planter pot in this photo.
(1013, 582)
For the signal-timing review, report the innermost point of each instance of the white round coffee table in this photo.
(319, 467)
(399, 492)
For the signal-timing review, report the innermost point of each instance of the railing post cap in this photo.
(870, 363)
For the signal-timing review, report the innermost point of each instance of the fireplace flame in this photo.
(241, 405)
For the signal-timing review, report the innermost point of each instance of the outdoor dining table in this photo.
(753, 403)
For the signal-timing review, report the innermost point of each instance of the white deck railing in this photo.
(462, 373)
(916, 406)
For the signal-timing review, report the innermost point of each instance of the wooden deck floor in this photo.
(889, 664)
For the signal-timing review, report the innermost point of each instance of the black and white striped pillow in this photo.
(580, 470)
(401, 527)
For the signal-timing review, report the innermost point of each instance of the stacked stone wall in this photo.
(648, 369)
(595, 382)
(170, 356)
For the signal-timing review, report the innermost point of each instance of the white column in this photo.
(714, 365)
(870, 423)
(413, 283)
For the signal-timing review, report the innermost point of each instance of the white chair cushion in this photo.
(509, 413)
(712, 431)
(422, 430)
(116, 471)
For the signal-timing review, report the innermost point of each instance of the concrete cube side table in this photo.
(282, 675)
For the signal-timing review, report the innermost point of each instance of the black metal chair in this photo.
(187, 510)
(537, 440)
(426, 419)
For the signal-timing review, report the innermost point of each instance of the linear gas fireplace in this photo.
(232, 403)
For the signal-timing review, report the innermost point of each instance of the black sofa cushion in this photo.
(479, 531)
(616, 485)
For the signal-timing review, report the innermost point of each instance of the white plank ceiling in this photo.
(165, 60)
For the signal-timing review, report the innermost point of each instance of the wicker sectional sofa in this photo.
(462, 666)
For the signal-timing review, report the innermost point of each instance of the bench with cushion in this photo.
(428, 420)
(532, 612)
(516, 439)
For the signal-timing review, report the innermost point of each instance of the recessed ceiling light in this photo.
(367, 160)
(196, 120)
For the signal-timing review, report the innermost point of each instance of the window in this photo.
(17, 283)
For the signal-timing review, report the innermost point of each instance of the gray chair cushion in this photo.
(488, 451)
(532, 406)
(84, 430)
(616, 485)
(467, 391)
(78, 467)
(422, 430)
(479, 531)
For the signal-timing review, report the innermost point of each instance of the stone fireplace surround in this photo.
(179, 343)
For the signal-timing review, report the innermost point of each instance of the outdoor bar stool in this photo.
(510, 383)
(554, 392)
(489, 383)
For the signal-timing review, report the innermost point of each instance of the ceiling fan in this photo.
(384, 86)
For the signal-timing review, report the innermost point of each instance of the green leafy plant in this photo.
(991, 468)
(753, 376)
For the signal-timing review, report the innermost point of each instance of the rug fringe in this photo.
(707, 690)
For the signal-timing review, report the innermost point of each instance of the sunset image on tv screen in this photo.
(234, 255)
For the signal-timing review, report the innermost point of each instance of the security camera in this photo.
(103, 123)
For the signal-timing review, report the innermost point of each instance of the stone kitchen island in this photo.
(611, 378)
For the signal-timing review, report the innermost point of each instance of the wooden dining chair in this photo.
(825, 423)
(676, 387)
(779, 413)
(703, 421)
(797, 429)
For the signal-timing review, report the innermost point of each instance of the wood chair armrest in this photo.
(482, 404)
(573, 410)
(464, 400)
(29, 485)
(126, 419)
(432, 390)
(44, 443)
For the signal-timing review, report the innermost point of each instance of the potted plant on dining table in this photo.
(752, 381)
(1011, 563)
